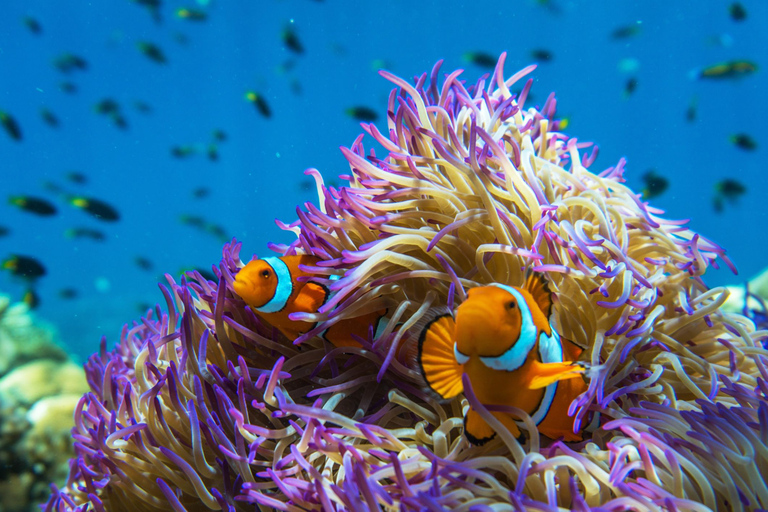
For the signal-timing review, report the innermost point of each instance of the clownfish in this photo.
(501, 338)
(271, 287)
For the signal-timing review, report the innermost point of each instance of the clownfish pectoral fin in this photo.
(537, 286)
(311, 297)
(436, 357)
(549, 373)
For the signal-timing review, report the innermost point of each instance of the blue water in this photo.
(259, 174)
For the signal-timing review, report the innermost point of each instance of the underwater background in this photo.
(271, 88)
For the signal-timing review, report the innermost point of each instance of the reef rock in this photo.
(39, 391)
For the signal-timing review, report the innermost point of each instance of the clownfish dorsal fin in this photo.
(537, 286)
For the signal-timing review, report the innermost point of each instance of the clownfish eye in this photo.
(265, 274)
(511, 305)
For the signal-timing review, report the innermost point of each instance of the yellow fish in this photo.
(726, 70)
(272, 288)
(502, 340)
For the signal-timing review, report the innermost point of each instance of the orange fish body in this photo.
(502, 340)
(271, 287)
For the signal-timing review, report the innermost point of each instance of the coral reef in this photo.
(204, 407)
(23, 340)
(39, 390)
(750, 300)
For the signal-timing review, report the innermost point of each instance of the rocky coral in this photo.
(38, 394)
(22, 339)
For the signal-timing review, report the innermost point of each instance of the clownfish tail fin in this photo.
(436, 358)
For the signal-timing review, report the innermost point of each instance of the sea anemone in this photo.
(204, 406)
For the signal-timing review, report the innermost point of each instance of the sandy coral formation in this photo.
(204, 407)
(751, 295)
(38, 394)
(21, 339)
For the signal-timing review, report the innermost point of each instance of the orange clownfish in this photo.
(271, 287)
(502, 340)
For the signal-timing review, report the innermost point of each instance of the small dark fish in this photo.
(143, 107)
(68, 62)
(692, 110)
(379, 64)
(4, 231)
(727, 189)
(33, 25)
(217, 231)
(261, 104)
(35, 205)
(155, 4)
(95, 207)
(219, 135)
(295, 86)
(119, 121)
(629, 87)
(143, 263)
(726, 70)
(12, 128)
(111, 108)
(287, 66)
(153, 7)
(31, 298)
(362, 113)
(191, 14)
(192, 220)
(107, 106)
(549, 5)
(203, 225)
(291, 40)
(213, 153)
(542, 54)
(67, 293)
(53, 187)
(201, 192)
(76, 177)
(743, 141)
(49, 117)
(481, 59)
(93, 234)
(152, 52)
(143, 307)
(23, 266)
(182, 152)
(626, 31)
(654, 184)
(68, 87)
(737, 11)
(307, 184)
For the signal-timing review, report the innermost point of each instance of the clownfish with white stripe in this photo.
(501, 338)
(272, 288)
